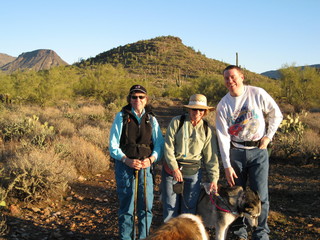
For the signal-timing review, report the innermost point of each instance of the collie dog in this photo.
(184, 227)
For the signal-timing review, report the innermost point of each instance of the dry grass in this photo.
(310, 146)
(96, 110)
(312, 121)
(87, 158)
(64, 127)
(161, 102)
(95, 135)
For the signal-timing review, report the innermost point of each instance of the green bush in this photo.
(300, 87)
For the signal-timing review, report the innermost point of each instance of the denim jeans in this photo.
(125, 179)
(175, 204)
(253, 165)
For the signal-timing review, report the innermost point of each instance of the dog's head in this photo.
(250, 206)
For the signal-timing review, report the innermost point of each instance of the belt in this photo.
(249, 143)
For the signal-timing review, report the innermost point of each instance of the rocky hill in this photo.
(161, 56)
(164, 57)
(36, 60)
(5, 58)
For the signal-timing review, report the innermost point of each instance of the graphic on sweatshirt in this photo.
(244, 123)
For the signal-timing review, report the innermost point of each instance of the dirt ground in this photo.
(89, 211)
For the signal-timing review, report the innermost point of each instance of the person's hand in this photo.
(147, 162)
(133, 163)
(214, 187)
(230, 176)
(264, 142)
(177, 175)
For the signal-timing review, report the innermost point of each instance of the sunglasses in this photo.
(136, 97)
(201, 110)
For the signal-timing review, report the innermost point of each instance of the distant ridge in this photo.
(5, 58)
(275, 74)
(36, 60)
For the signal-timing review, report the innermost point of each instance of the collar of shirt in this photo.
(135, 114)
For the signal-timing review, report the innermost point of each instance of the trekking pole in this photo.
(145, 199)
(136, 172)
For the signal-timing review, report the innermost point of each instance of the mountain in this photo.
(161, 57)
(275, 74)
(36, 60)
(166, 59)
(4, 59)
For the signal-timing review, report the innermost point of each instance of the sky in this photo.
(266, 34)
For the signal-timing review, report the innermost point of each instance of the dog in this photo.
(184, 227)
(220, 210)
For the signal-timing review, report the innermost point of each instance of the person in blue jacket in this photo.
(136, 143)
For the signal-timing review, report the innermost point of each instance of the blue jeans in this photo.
(174, 204)
(125, 179)
(253, 165)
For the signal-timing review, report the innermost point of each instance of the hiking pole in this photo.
(145, 199)
(136, 172)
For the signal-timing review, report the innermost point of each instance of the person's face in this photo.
(138, 101)
(233, 80)
(196, 114)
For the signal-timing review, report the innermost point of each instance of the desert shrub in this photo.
(173, 91)
(85, 114)
(288, 137)
(300, 86)
(36, 175)
(3, 194)
(3, 225)
(212, 86)
(294, 142)
(312, 121)
(87, 158)
(95, 135)
(310, 149)
(30, 128)
(111, 110)
(64, 127)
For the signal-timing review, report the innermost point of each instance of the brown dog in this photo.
(183, 227)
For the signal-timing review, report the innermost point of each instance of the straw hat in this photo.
(198, 101)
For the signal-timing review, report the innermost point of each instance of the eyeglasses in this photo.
(136, 97)
(201, 110)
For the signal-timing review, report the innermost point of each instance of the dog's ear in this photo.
(242, 200)
(252, 194)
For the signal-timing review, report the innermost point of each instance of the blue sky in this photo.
(266, 34)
